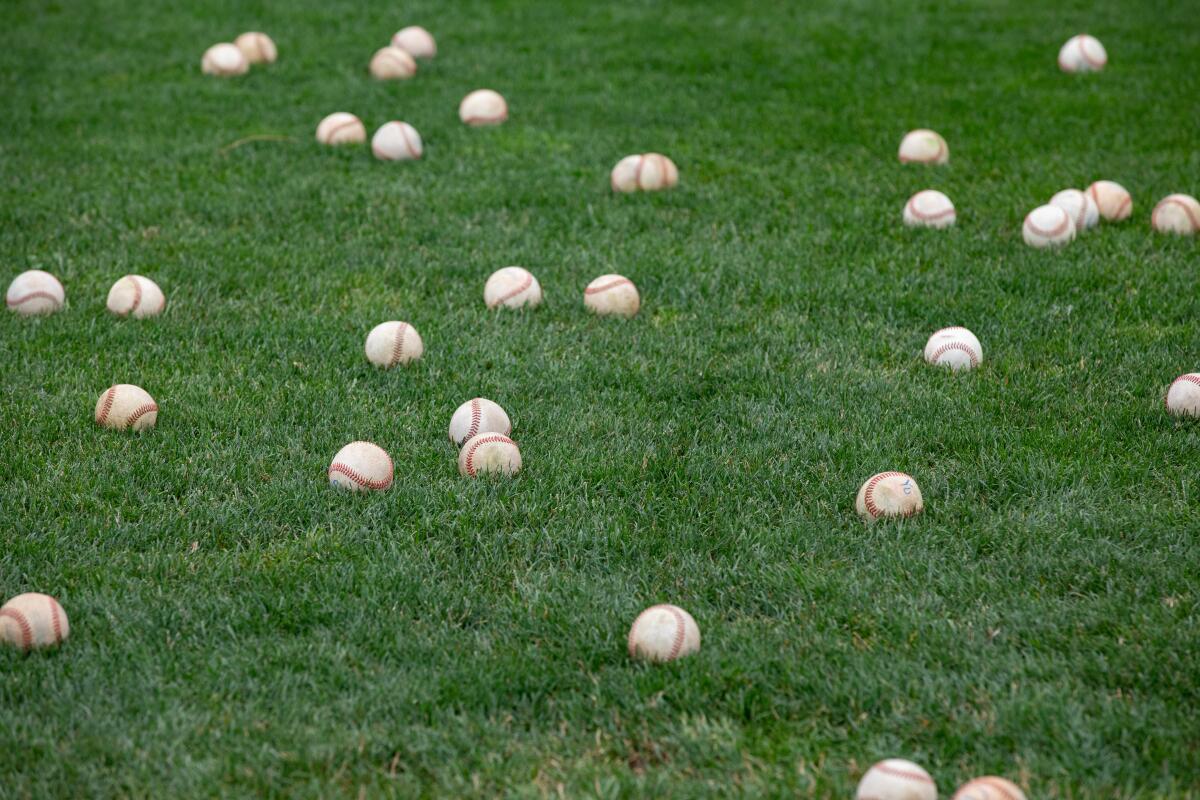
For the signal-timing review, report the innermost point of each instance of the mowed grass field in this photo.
(240, 628)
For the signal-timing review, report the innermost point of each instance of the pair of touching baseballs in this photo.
(647, 172)
(227, 59)
(516, 287)
(900, 779)
(36, 292)
(398, 60)
(480, 428)
(393, 141)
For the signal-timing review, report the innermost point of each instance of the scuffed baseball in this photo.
(989, 787)
(35, 292)
(361, 467)
(923, 146)
(1114, 202)
(225, 60)
(1080, 206)
(929, 208)
(416, 41)
(125, 406)
(488, 453)
(483, 107)
(396, 141)
(512, 287)
(1082, 53)
(392, 63)
(392, 343)
(896, 779)
(647, 172)
(663, 633)
(32, 621)
(1183, 396)
(257, 47)
(1176, 213)
(341, 127)
(954, 347)
(477, 416)
(136, 296)
(889, 494)
(612, 294)
(1047, 226)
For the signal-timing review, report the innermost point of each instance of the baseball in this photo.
(663, 633)
(989, 788)
(954, 347)
(483, 107)
(923, 146)
(1110, 197)
(126, 406)
(416, 41)
(896, 779)
(256, 47)
(1183, 396)
(1080, 206)
(360, 467)
(889, 494)
(137, 297)
(648, 172)
(930, 209)
(35, 292)
(1082, 53)
(32, 620)
(489, 452)
(512, 287)
(612, 294)
(392, 343)
(341, 128)
(1047, 226)
(392, 63)
(478, 416)
(1176, 213)
(396, 141)
(224, 59)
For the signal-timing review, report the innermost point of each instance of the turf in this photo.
(242, 629)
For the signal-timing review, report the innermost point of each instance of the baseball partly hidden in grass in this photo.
(663, 633)
(126, 407)
(954, 347)
(35, 292)
(889, 494)
(512, 287)
(392, 343)
(33, 621)
(612, 295)
(478, 415)
(361, 467)
(136, 296)
(489, 453)
(896, 779)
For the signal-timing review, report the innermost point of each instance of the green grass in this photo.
(241, 629)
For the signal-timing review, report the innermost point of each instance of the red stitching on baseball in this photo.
(610, 285)
(492, 439)
(332, 133)
(680, 632)
(140, 412)
(398, 346)
(137, 295)
(476, 414)
(55, 620)
(22, 623)
(359, 478)
(993, 783)
(33, 296)
(912, 207)
(963, 346)
(637, 172)
(1190, 377)
(1049, 234)
(107, 406)
(412, 149)
(1083, 52)
(527, 281)
(1128, 201)
(869, 494)
(1175, 202)
(902, 773)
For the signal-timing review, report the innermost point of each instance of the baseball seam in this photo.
(398, 345)
(963, 346)
(476, 416)
(55, 621)
(680, 632)
(137, 295)
(493, 439)
(412, 149)
(358, 477)
(869, 494)
(1058, 231)
(637, 173)
(1166, 201)
(999, 787)
(902, 773)
(33, 296)
(22, 623)
(526, 282)
(1082, 42)
(140, 412)
(610, 285)
(921, 215)
(106, 407)
(329, 138)
(395, 60)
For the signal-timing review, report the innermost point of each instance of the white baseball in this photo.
(989, 787)
(478, 416)
(1080, 206)
(361, 467)
(35, 292)
(396, 141)
(663, 633)
(889, 494)
(224, 59)
(392, 63)
(341, 127)
(647, 172)
(1082, 53)
(1176, 213)
(929, 208)
(392, 343)
(258, 48)
(512, 287)
(32, 620)
(612, 294)
(896, 779)
(126, 406)
(483, 107)
(954, 347)
(923, 146)
(416, 41)
(1047, 226)
(1183, 396)
(489, 452)
(136, 296)
(1114, 202)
